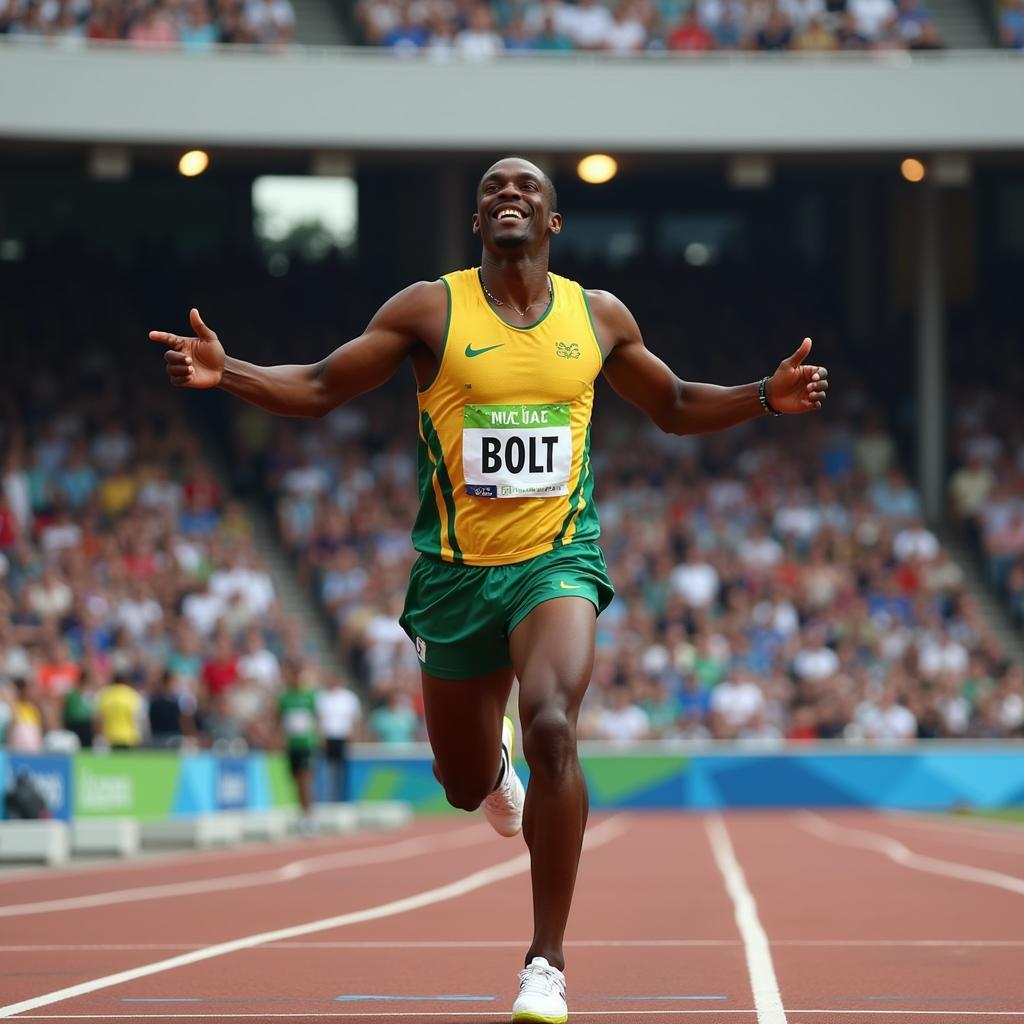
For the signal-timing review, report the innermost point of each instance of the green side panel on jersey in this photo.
(588, 526)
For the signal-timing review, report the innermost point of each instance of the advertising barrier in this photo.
(154, 785)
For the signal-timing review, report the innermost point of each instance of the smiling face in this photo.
(515, 208)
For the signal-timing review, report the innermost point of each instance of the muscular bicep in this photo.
(408, 325)
(633, 371)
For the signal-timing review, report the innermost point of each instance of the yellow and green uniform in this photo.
(507, 518)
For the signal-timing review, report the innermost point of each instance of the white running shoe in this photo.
(504, 807)
(541, 994)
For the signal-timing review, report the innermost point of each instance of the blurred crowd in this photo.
(774, 582)
(194, 25)
(986, 488)
(1011, 25)
(480, 30)
(135, 609)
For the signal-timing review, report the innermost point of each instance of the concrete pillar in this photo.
(455, 206)
(930, 354)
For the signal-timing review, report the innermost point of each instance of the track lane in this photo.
(637, 886)
(17, 886)
(809, 888)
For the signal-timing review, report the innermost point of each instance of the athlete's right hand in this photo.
(193, 362)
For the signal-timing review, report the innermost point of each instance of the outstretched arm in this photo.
(408, 324)
(681, 407)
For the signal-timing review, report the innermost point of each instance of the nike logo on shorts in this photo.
(567, 586)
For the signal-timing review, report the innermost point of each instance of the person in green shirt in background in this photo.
(80, 708)
(296, 714)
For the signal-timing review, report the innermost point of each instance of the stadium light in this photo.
(193, 163)
(597, 168)
(912, 170)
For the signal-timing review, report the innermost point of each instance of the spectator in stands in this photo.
(297, 719)
(338, 716)
(627, 33)
(775, 33)
(220, 670)
(621, 721)
(271, 22)
(799, 13)
(689, 36)
(911, 19)
(120, 714)
(27, 722)
(871, 16)
(405, 36)
(154, 28)
(198, 33)
(79, 709)
(551, 38)
(394, 721)
(848, 35)
(1011, 25)
(588, 23)
(815, 36)
(479, 40)
(171, 713)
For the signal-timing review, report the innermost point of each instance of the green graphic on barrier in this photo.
(282, 785)
(137, 785)
(614, 780)
(383, 784)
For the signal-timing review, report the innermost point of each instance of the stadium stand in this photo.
(986, 487)
(477, 31)
(194, 25)
(774, 583)
(134, 609)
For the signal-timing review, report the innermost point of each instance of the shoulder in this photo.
(613, 322)
(423, 298)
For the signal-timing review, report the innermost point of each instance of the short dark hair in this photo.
(548, 183)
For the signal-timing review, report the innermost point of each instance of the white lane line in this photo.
(900, 854)
(763, 984)
(471, 944)
(187, 858)
(288, 872)
(576, 1016)
(992, 826)
(598, 836)
(383, 944)
(965, 833)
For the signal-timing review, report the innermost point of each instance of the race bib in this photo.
(516, 451)
(298, 722)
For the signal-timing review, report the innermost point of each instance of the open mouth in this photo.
(509, 213)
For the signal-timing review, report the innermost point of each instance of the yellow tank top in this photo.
(504, 445)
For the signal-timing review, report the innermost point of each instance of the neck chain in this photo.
(498, 302)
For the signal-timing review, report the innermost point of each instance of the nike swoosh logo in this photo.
(567, 586)
(470, 351)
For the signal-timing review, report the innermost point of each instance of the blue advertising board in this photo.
(50, 774)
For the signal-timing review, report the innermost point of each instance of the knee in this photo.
(549, 743)
(466, 796)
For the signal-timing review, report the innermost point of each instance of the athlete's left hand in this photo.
(795, 387)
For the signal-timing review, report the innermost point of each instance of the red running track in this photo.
(751, 918)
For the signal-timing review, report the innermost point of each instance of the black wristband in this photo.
(762, 394)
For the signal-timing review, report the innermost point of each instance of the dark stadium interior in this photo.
(777, 581)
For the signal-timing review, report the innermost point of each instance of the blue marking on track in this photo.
(414, 999)
(658, 999)
(162, 999)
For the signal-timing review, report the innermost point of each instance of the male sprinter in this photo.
(509, 581)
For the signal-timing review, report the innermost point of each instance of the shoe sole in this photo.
(525, 1017)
